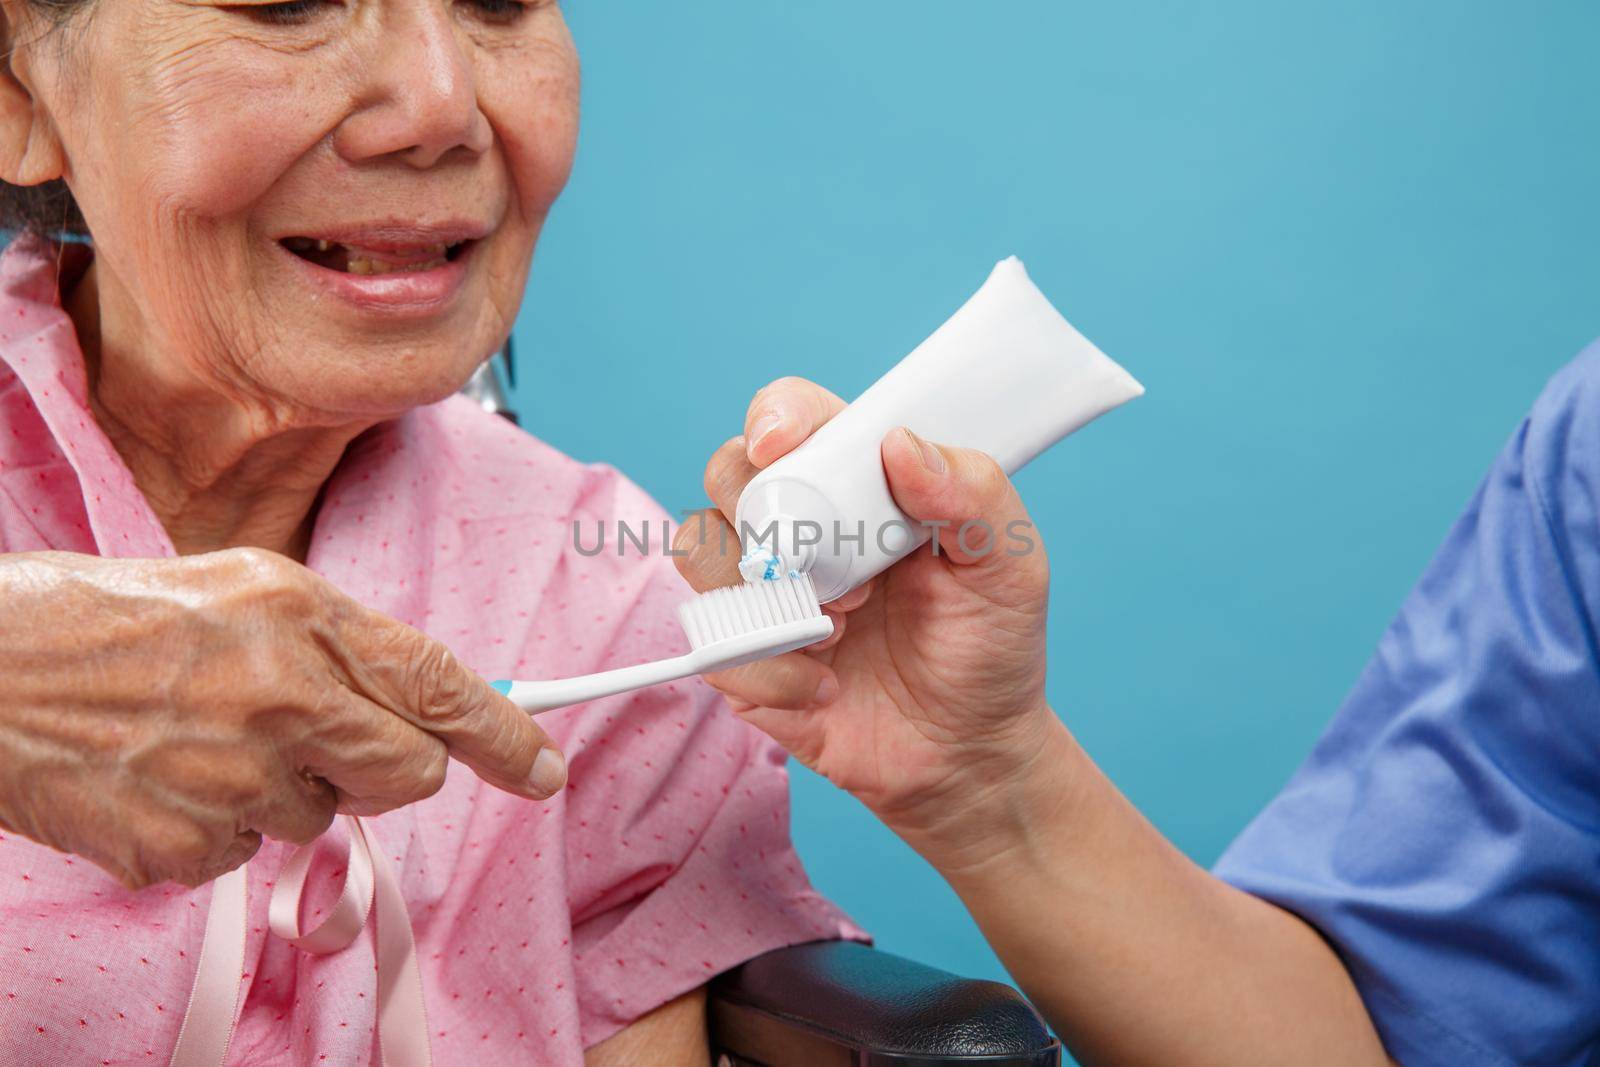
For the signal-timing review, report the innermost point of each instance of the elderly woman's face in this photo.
(326, 205)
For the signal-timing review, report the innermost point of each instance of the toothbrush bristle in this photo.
(740, 609)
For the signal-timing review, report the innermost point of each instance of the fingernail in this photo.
(763, 426)
(827, 689)
(932, 458)
(549, 772)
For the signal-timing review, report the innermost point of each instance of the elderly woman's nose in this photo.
(420, 98)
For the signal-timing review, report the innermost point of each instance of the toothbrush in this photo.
(726, 627)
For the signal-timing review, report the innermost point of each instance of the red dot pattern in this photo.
(541, 927)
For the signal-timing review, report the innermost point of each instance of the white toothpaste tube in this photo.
(1006, 375)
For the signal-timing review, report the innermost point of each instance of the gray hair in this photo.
(48, 209)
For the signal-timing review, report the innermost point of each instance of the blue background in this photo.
(1343, 245)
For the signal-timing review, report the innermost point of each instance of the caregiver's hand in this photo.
(931, 691)
(159, 716)
(928, 704)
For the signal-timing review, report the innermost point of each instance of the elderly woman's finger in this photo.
(235, 854)
(706, 551)
(793, 680)
(299, 811)
(189, 847)
(783, 414)
(374, 759)
(419, 679)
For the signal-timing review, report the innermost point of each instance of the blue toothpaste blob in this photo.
(762, 565)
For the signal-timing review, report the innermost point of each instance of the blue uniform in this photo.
(1444, 834)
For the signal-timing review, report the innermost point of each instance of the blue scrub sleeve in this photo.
(1444, 834)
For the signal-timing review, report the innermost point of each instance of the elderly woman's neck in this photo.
(215, 484)
(218, 471)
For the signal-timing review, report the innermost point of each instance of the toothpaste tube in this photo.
(1006, 375)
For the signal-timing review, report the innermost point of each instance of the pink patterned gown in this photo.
(541, 928)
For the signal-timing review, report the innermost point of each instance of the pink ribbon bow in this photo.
(214, 1003)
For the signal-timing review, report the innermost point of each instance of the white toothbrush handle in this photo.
(534, 697)
(540, 696)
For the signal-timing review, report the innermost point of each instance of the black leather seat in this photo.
(842, 1004)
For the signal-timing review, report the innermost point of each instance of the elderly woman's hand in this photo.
(158, 717)
(932, 688)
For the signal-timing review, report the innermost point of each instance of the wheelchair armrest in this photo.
(839, 1002)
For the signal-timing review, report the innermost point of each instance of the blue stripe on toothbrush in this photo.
(502, 687)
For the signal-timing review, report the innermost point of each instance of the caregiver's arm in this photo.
(158, 717)
(928, 704)
(1135, 954)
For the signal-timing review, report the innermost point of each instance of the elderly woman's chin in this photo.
(346, 343)
(379, 382)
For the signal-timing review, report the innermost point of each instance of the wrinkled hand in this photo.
(158, 717)
(932, 684)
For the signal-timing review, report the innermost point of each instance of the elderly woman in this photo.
(235, 497)
(233, 501)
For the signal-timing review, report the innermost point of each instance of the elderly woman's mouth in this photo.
(392, 259)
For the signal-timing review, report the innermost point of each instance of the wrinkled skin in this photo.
(194, 705)
(194, 136)
(159, 716)
(931, 688)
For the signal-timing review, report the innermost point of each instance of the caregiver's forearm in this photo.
(1133, 953)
